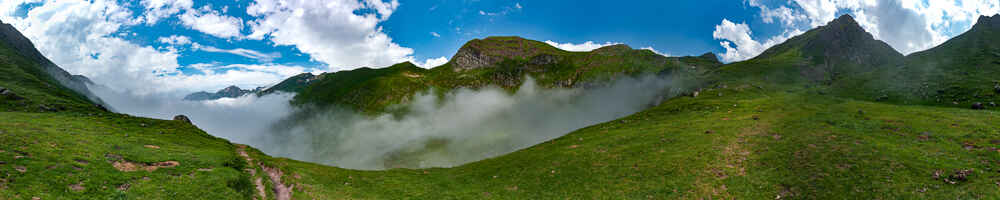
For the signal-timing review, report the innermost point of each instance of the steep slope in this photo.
(15, 41)
(228, 92)
(820, 56)
(499, 61)
(960, 72)
(28, 86)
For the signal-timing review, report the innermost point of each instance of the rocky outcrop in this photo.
(480, 53)
(8, 94)
(182, 118)
(992, 22)
(15, 40)
(544, 59)
(472, 58)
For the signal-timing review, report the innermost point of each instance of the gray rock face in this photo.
(544, 59)
(472, 58)
(487, 52)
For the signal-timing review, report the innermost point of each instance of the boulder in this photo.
(182, 118)
(101, 107)
(978, 106)
(50, 108)
(7, 93)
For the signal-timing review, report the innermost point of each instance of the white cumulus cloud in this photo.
(159, 9)
(585, 46)
(175, 40)
(211, 22)
(335, 32)
(83, 38)
(432, 62)
(739, 43)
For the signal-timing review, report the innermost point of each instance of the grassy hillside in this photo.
(959, 72)
(500, 61)
(106, 156)
(34, 89)
(742, 142)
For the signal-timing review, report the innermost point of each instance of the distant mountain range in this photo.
(228, 92)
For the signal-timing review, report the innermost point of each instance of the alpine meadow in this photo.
(343, 99)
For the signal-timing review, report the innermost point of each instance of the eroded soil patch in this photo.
(128, 166)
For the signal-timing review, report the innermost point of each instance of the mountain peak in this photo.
(841, 40)
(710, 56)
(984, 21)
(230, 88)
(489, 51)
(616, 49)
(844, 20)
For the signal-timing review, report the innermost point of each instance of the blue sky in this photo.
(155, 46)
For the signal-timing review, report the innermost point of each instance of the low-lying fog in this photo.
(465, 126)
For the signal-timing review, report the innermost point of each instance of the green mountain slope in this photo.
(21, 53)
(821, 56)
(30, 88)
(959, 72)
(500, 61)
(293, 84)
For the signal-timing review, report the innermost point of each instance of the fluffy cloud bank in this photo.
(91, 38)
(906, 25)
(585, 46)
(334, 32)
(85, 38)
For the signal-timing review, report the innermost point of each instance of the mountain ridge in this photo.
(502, 61)
(228, 92)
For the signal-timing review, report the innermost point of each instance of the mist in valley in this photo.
(463, 126)
(240, 120)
